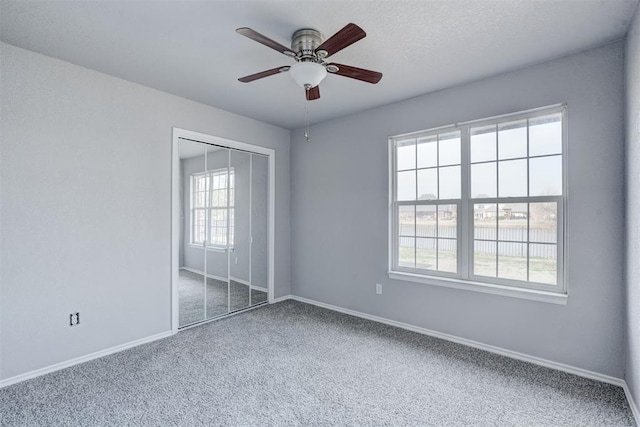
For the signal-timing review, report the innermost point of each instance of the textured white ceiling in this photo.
(190, 48)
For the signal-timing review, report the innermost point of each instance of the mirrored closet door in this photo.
(223, 254)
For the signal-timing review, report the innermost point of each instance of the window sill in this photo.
(487, 288)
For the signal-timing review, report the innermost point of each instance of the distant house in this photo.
(490, 210)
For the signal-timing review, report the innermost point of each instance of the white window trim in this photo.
(462, 280)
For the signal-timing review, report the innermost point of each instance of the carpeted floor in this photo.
(191, 297)
(296, 364)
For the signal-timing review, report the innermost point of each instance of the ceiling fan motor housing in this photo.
(304, 42)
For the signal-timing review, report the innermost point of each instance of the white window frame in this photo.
(228, 207)
(464, 278)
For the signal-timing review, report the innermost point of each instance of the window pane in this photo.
(543, 222)
(426, 221)
(218, 198)
(406, 218)
(407, 185)
(428, 184)
(199, 199)
(449, 149)
(220, 181)
(201, 181)
(545, 176)
(218, 227)
(483, 180)
(448, 221)
(545, 135)
(512, 140)
(199, 218)
(512, 222)
(426, 254)
(428, 152)
(406, 154)
(485, 223)
(543, 264)
(484, 258)
(483, 143)
(406, 252)
(512, 178)
(450, 182)
(512, 261)
(447, 255)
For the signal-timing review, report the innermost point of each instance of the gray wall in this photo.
(633, 208)
(85, 206)
(339, 187)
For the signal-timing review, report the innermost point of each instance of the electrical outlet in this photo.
(74, 319)
(236, 261)
(378, 289)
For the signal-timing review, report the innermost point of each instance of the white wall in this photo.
(339, 184)
(85, 206)
(633, 207)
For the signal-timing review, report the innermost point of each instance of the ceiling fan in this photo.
(310, 53)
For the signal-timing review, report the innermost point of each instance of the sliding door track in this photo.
(224, 316)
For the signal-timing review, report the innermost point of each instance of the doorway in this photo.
(222, 227)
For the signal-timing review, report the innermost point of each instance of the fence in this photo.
(544, 238)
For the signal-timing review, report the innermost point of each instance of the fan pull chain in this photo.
(306, 121)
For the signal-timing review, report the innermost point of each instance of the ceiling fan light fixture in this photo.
(307, 74)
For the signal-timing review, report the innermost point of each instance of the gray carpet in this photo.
(296, 364)
(191, 297)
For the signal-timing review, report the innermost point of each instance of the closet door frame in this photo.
(187, 135)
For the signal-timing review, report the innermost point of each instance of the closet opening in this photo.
(222, 228)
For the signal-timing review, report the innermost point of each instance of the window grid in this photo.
(212, 200)
(420, 244)
(527, 242)
(500, 242)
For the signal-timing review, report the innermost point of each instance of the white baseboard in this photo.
(282, 298)
(632, 403)
(223, 279)
(241, 281)
(82, 359)
(200, 272)
(486, 347)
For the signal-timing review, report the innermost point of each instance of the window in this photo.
(481, 202)
(210, 207)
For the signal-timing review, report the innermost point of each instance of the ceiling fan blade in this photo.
(313, 93)
(256, 36)
(267, 73)
(347, 36)
(357, 73)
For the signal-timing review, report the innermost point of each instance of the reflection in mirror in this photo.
(219, 231)
(259, 266)
(239, 230)
(193, 197)
(223, 246)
